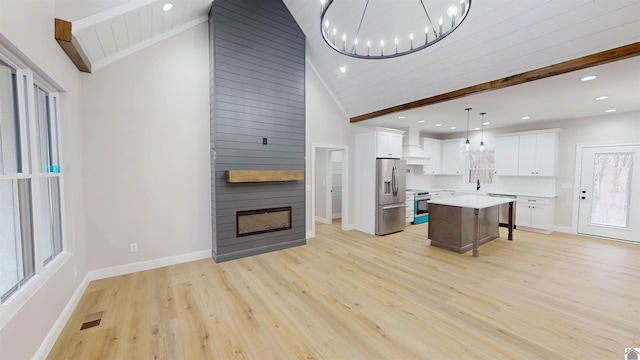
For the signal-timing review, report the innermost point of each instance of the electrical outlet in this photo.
(133, 247)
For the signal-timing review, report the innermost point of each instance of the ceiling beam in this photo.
(65, 38)
(584, 62)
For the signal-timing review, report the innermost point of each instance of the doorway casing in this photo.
(346, 211)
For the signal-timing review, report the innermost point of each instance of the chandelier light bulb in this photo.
(452, 11)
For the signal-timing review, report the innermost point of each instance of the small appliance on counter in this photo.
(421, 213)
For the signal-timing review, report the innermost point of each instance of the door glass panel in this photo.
(611, 189)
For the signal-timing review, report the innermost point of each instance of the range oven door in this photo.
(421, 209)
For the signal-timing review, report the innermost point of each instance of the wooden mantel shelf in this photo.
(248, 176)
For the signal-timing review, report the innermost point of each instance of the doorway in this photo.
(330, 176)
(609, 205)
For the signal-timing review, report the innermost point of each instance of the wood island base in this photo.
(452, 227)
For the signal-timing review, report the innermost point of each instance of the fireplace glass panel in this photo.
(253, 222)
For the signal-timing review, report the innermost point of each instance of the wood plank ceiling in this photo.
(499, 39)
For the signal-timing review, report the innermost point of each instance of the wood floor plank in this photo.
(349, 295)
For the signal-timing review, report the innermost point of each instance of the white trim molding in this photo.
(147, 265)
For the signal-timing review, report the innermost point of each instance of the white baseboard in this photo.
(564, 229)
(147, 265)
(58, 326)
(349, 227)
(323, 220)
(310, 234)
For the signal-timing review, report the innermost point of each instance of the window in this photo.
(481, 166)
(31, 231)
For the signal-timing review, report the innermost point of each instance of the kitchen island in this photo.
(465, 222)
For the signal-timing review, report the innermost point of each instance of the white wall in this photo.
(321, 184)
(146, 153)
(27, 28)
(326, 124)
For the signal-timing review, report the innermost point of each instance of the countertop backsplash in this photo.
(543, 186)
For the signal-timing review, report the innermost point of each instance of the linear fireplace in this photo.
(251, 222)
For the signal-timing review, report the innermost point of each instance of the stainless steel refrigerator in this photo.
(390, 196)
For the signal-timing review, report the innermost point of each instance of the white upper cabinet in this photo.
(531, 153)
(506, 155)
(432, 148)
(453, 157)
(388, 144)
(537, 154)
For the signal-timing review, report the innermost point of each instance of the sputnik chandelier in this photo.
(380, 29)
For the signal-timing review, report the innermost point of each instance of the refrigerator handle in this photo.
(395, 181)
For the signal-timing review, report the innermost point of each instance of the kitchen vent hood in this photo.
(412, 151)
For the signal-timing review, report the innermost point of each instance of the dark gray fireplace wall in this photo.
(257, 65)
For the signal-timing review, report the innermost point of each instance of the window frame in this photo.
(470, 169)
(25, 84)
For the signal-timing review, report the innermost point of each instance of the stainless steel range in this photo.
(421, 208)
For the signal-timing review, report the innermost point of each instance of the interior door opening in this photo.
(330, 172)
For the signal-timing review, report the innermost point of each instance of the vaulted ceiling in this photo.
(499, 38)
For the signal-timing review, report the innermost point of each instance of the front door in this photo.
(609, 204)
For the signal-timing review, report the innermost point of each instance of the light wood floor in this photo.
(355, 296)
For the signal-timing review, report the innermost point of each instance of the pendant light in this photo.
(466, 143)
(482, 132)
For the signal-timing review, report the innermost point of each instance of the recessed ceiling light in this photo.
(421, 121)
(167, 7)
(486, 123)
(453, 128)
(602, 97)
(401, 117)
(587, 78)
(476, 128)
(526, 117)
(610, 110)
(343, 69)
(438, 124)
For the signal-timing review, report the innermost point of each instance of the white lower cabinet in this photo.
(409, 213)
(535, 214)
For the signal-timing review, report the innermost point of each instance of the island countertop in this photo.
(471, 201)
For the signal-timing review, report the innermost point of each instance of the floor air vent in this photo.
(91, 320)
